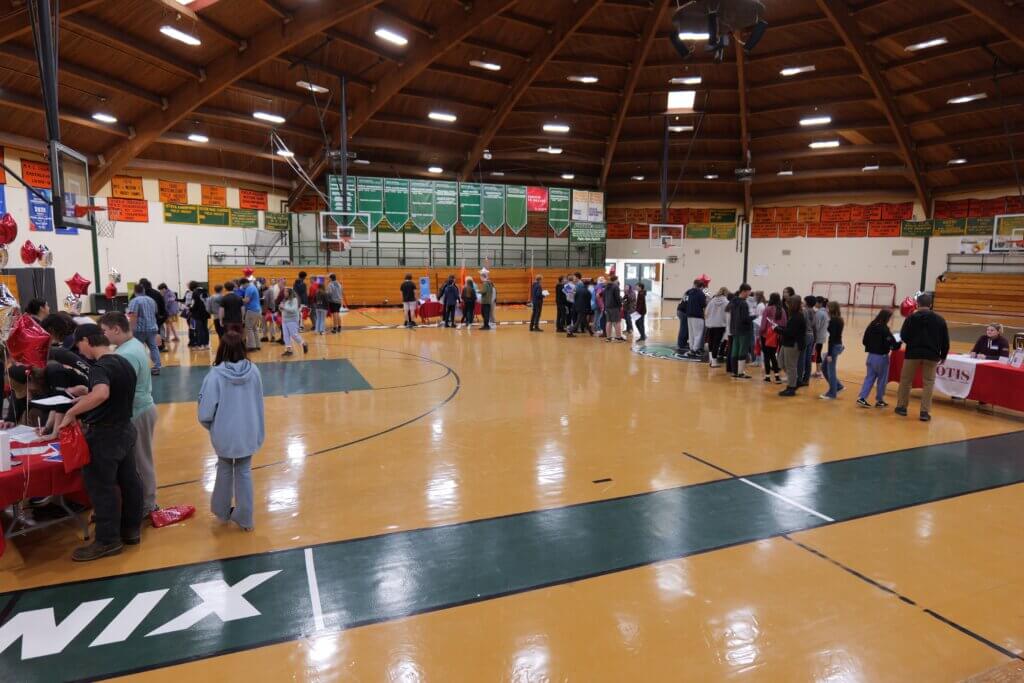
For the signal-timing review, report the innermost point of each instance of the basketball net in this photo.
(104, 226)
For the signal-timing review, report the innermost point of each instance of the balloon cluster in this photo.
(8, 232)
(31, 253)
(79, 286)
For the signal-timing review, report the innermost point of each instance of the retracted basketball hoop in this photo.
(101, 219)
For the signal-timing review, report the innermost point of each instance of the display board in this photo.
(587, 232)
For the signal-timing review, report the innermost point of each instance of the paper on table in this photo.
(57, 400)
(22, 433)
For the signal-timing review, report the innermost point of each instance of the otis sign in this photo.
(955, 377)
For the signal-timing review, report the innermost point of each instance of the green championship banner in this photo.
(370, 199)
(948, 227)
(244, 218)
(587, 232)
(722, 216)
(698, 231)
(446, 203)
(276, 221)
(396, 202)
(213, 215)
(723, 232)
(470, 206)
(981, 226)
(181, 213)
(515, 207)
(334, 196)
(421, 202)
(916, 229)
(492, 206)
(559, 203)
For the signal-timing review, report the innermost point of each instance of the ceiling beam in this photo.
(832, 173)
(952, 50)
(210, 172)
(296, 60)
(836, 127)
(916, 25)
(745, 162)
(35, 105)
(401, 17)
(978, 162)
(225, 70)
(142, 49)
(206, 24)
(427, 124)
(542, 54)
(981, 75)
(999, 15)
(810, 104)
(365, 46)
(16, 24)
(470, 74)
(968, 137)
(955, 110)
(842, 150)
(488, 46)
(844, 23)
(276, 7)
(181, 140)
(632, 80)
(245, 119)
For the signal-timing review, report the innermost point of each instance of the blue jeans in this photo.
(806, 360)
(878, 374)
(149, 339)
(682, 340)
(829, 367)
(234, 481)
(321, 320)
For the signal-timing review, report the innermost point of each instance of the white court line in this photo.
(787, 500)
(314, 591)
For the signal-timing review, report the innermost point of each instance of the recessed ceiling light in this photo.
(680, 129)
(180, 36)
(957, 162)
(488, 155)
(816, 120)
(785, 172)
(435, 169)
(934, 42)
(681, 101)
(104, 118)
(710, 176)
(442, 116)
(286, 153)
(264, 116)
(795, 70)
(556, 128)
(568, 176)
(637, 178)
(550, 150)
(685, 80)
(824, 144)
(391, 36)
(489, 66)
(871, 167)
(363, 162)
(964, 99)
(311, 87)
(498, 174)
(198, 137)
(693, 35)
(583, 79)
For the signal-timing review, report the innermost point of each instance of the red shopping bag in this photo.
(74, 450)
(171, 515)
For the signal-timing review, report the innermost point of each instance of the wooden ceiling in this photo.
(889, 106)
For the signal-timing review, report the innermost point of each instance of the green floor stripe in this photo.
(104, 627)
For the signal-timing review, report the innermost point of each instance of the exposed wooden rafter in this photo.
(16, 24)
(1004, 17)
(632, 79)
(844, 23)
(224, 71)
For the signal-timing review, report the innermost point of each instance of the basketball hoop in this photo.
(104, 226)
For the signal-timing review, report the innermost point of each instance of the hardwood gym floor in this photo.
(439, 505)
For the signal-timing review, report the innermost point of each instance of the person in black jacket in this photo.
(741, 326)
(878, 342)
(449, 297)
(794, 341)
(561, 305)
(927, 338)
(581, 302)
(537, 302)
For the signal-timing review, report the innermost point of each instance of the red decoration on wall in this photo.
(764, 230)
(792, 230)
(884, 228)
(821, 230)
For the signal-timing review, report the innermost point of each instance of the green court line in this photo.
(181, 383)
(105, 627)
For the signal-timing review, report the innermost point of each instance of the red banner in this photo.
(956, 209)
(679, 216)
(786, 214)
(858, 212)
(126, 187)
(898, 212)
(309, 203)
(884, 228)
(835, 214)
(214, 195)
(128, 210)
(619, 231)
(700, 216)
(652, 216)
(851, 229)
(613, 214)
(634, 215)
(36, 174)
(641, 232)
(536, 199)
(808, 214)
(792, 230)
(764, 215)
(762, 230)
(252, 199)
(873, 213)
(821, 230)
(1014, 204)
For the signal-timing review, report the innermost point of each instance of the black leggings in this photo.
(715, 335)
(771, 359)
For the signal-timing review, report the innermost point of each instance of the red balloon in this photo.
(78, 285)
(110, 291)
(29, 253)
(908, 306)
(8, 229)
(28, 342)
(247, 271)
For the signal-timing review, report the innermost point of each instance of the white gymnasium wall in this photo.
(719, 259)
(171, 253)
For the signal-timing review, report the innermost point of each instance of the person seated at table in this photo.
(992, 345)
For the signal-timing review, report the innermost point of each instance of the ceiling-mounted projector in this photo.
(713, 21)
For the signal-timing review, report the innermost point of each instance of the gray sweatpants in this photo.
(144, 424)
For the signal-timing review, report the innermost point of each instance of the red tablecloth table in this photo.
(45, 478)
(435, 309)
(995, 383)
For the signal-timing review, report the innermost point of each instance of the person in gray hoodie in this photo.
(231, 408)
(820, 330)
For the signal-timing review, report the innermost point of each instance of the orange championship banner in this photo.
(808, 214)
(821, 230)
(763, 230)
(128, 210)
(764, 215)
(786, 214)
(126, 187)
(311, 203)
(252, 199)
(792, 230)
(173, 192)
(36, 174)
(214, 195)
(852, 229)
(884, 228)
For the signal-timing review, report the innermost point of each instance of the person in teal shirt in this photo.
(116, 327)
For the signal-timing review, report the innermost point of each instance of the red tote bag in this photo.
(74, 450)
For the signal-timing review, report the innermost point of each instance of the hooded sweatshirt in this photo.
(231, 408)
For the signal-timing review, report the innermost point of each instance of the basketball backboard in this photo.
(1008, 232)
(344, 226)
(70, 177)
(666, 235)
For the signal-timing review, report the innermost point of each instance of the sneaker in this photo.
(862, 403)
(305, 347)
(817, 375)
(570, 334)
(827, 397)
(778, 379)
(742, 375)
(132, 540)
(767, 379)
(154, 371)
(802, 384)
(902, 412)
(925, 417)
(881, 404)
(95, 551)
(789, 391)
(265, 338)
(289, 352)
